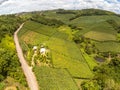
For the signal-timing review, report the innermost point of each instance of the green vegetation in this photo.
(54, 79)
(106, 77)
(62, 49)
(74, 39)
(90, 60)
(108, 47)
(9, 63)
(99, 36)
(66, 55)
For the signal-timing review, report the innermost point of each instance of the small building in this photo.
(43, 50)
(35, 48)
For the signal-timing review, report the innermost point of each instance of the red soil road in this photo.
(30, 77)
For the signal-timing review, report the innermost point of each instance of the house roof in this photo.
(42, 50)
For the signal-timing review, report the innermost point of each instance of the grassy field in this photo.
(95, 23)
(108, 46)
(90, 60)
(100, 36)
(63, 17)
(36, 38)
(37, 27)
(54, 79)
(65, 53)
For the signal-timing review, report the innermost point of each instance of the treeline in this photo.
(62, 11)
(75, 27)
(47, 21)
(8, 25)
(91, 12)
(9, 63)
(114, 24)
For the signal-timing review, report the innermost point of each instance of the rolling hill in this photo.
(82, 48)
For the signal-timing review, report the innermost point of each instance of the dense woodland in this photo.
(9, 63)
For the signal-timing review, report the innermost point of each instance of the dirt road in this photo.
(30, 77)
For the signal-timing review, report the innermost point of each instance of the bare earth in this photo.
(30, 77)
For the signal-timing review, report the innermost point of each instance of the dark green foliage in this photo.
(9, 63)
(47, 21)
(114, 66)
(90, 85)
(105, 72)
(114, 24)
(62, 11)
(10, 66)
(75, 27)
(8, 25)
(91, 12)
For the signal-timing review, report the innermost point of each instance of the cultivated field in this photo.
(65, 53)
(100, 36)
(108, 46)
(54, 79)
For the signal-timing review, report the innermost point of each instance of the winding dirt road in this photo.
(30, 77)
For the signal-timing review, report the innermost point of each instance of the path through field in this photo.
(30, 77)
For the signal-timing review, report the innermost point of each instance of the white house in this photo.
(35, 48)
(43, 50)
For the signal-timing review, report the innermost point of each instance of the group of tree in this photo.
(106, 74)
(62, 11)
(8, 25)
(47, 21)
(107, 77)
(114, 24)
(91, 12)
(9, 63)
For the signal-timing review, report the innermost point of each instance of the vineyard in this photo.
(100, 36)
(76, 43)
(108, 47)
(54, 79)
(65, 53)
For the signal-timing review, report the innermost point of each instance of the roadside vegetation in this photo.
(10, 69)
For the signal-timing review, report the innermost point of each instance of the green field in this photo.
(69, 60)
(65, 53)
(96, 25)
(90, 60)
(63, 17)
(100, 36)
(54, 79)
(108, 46)
(37, 27)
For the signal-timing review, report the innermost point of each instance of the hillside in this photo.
(72, 49)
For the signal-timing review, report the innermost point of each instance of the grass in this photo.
(100, 36)
(108, 46)
(54, 79)
(63, 17)
(75, 67)
(37, 27)
(36, 38)
(65, 53)
(90, 60)
(95, 23)
(79, 82)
